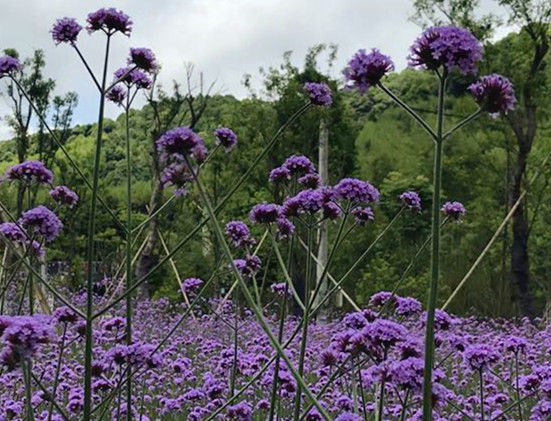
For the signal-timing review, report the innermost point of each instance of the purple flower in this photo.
(363, 215)
(454, 210)
(239, 234)
(305, 201)
(407, 306)
(143, 58)
(249, 266)
(240, 412)
(311, 180)
(356, 191)
(177, 175)
(319, 93)
(494, 93)
(331, 210)
(9, 65)
(12, 232)
(117, 95)
(192, 284)
(225, 137)
(446, 46)
(42, 221)
(133, 77)
(110, 21)
(181, 141)
(282, 289)
(279, 175)
(408, 373)
(366, 70)
(264, 213)
(30, 172)
(348, 416)
(285, 228)
(411, 200)
(65, 30)
(65, 315)
(299, 165)
(64, 196)
(479, 356)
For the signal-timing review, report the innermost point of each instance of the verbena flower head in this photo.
(319, 93)
(479, 356)
(65, 315)
(143, 58)
(249, 266)
(306, 201)
(299, 165)
(226, 138)
(109, 20)
(181, 141)
(192, 284)
(285, 228)
(117, 95)
(239, 234)
(8, 65)
(22, 337)
(64, 196)
(178, 175)
(280, 175)
(66, 30)
(365, 70)
(348, 416)
(282, 289)
(311, 181)
(42, 221)
(363, 215)
(356, 191)
(264, 213)
(13, 232)
(494, 94)
(411, 200)
(133, 77)
(30, 172)
(449, 47)
(454, 210)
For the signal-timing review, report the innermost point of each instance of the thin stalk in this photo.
(517, 387)
(91, 247)
(235, 348)
(435, 257)
(250, 300)
(409, 110)
(481, 395)
(57, 371)
(305, 323)
(153, 214)
(462, 123)
(128, 250)
(274, 394)
(381, 401)
(26, 366)
(405, 407)
(90, 72)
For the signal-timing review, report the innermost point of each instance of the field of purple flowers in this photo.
(219, 365)
(103, 354)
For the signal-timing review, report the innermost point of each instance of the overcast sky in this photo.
(223, 38)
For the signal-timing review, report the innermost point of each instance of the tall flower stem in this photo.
(275, 381)
(481, 395)
(128, 250)
(90, 247)
(435, 255)
(26, 367)
(306, 318)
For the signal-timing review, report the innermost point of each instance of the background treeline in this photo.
(369, 138)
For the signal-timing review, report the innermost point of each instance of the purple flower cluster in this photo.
(454, 210)
(13, 232)
(365, 70)
(143, 58)
(319, 93)
(8, 65)
(265, 213)
(356, 191)
(178, 175)
(191, 285)
(64, 196)
(449, 47)
(30, 172)
(181, 142)
(226, 138)
(479, 356)
(66, 30)
(42, 221)
(363, 215)
(494, 93)
(239, 234)
(117, 95)
(282, 289)
(133, 77)
(109, 20)
(249, 266)
(411, 200)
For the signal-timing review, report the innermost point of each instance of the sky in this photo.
(224, 39)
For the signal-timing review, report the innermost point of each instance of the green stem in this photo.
(481, 395)
(128, 250)
(275, 381)
(435, 258)
(517, 387)
(26, 367)
(462, 123)
(381, 401)
(57, 371)
(90, 246)
(306, 319)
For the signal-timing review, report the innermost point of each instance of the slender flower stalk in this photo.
(274, 394)
(90, 247)
(435, 254)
